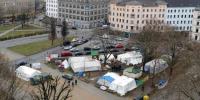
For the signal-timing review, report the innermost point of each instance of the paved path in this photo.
(10, 30)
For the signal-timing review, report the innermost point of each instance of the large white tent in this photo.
(155, 66)
(82, 64)
(107, 79)
(26, 73)
(130, 58)
(122, 85)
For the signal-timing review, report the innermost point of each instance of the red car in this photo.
(66, 53)
(119, 45)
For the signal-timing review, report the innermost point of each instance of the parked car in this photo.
(114, 50)
(68, 76)
(67, 47)
(66, 53)
(102, 51)
(87, 49)
(66, 43)
(110, 47)
(74, 28)
(96, 48)
(119, 45)
(74, 45)
(85, 41)
(87, 52)
(74, 49)
(78, 53)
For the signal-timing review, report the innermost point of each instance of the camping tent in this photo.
(130, 58)
(122, 85)
(65, 64)
(36, 65)
(81, 64)
(155, 66)
(107, 79)
(26, 73)
(133, 72)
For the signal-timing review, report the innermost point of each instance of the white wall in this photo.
(180, 17)
(52, 8)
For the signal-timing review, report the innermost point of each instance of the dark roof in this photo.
(142, 2)
(183, 3)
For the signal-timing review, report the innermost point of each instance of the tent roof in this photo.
(156, 61)
(107, 78)
(27, 70)
(123, 81)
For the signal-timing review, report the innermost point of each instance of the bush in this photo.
(23, 35)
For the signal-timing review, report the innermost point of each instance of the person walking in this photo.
(72, 84)
(76, 81)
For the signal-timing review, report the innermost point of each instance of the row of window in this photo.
(138, 10)
(78, 6)
(136, 28)
(102, 11)
(138, 21)
(51, 5)
(179, 22)
(179, 16)
(178, 10)
(138, 16)
(66, 16)
(51, 9)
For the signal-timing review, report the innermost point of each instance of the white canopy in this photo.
(81, 64)
(36, 65)
(130, 58)
(107, 79)
(65, 64)
(155, 66)
(26, 73)
(122, 85)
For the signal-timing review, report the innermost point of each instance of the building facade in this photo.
(196, 25)
(133, 16)
(83, 13)
(52, 8)
(179, 14)
(17, 7)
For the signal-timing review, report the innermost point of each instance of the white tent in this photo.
(155, 66)
(36, 65)
(65, 64)
(110, 57)
(26, 73)
(107, 79)
(122, 85)
(81, 64)
(130, 58)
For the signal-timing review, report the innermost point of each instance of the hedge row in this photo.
(22, 35)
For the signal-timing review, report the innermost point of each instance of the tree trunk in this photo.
(52, 42)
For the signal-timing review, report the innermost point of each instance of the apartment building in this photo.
(179, 14)
(52, 8)
(83, 13)
(17, 6)
(133, 15)
(196, 25)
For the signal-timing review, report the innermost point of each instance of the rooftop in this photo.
(142, 2)
(183, 3)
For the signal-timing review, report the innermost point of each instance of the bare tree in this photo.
(64, 30)
(52, 35)
(53, 90)
(9, 85)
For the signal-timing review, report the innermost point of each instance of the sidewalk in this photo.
(10, 30)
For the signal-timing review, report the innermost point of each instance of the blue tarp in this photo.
(107, 78)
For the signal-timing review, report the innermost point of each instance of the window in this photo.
(196, 37)
(197, 30)
(197, 23)
(198, 17)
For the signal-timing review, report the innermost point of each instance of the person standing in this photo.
(75, 81)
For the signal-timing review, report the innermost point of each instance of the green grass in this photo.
(17, 33)
(28, 27)
(4, 28)
(36, 47)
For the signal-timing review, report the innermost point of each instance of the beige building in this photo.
(17, 6)
(196, 25)
(133, 15)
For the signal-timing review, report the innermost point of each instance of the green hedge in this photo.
(24, 35)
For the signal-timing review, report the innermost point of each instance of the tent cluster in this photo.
(116, 83)
(133, 58)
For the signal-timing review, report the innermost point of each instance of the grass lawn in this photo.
(28, 27)
(4, 28)
(36, 47)
(17, 33)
